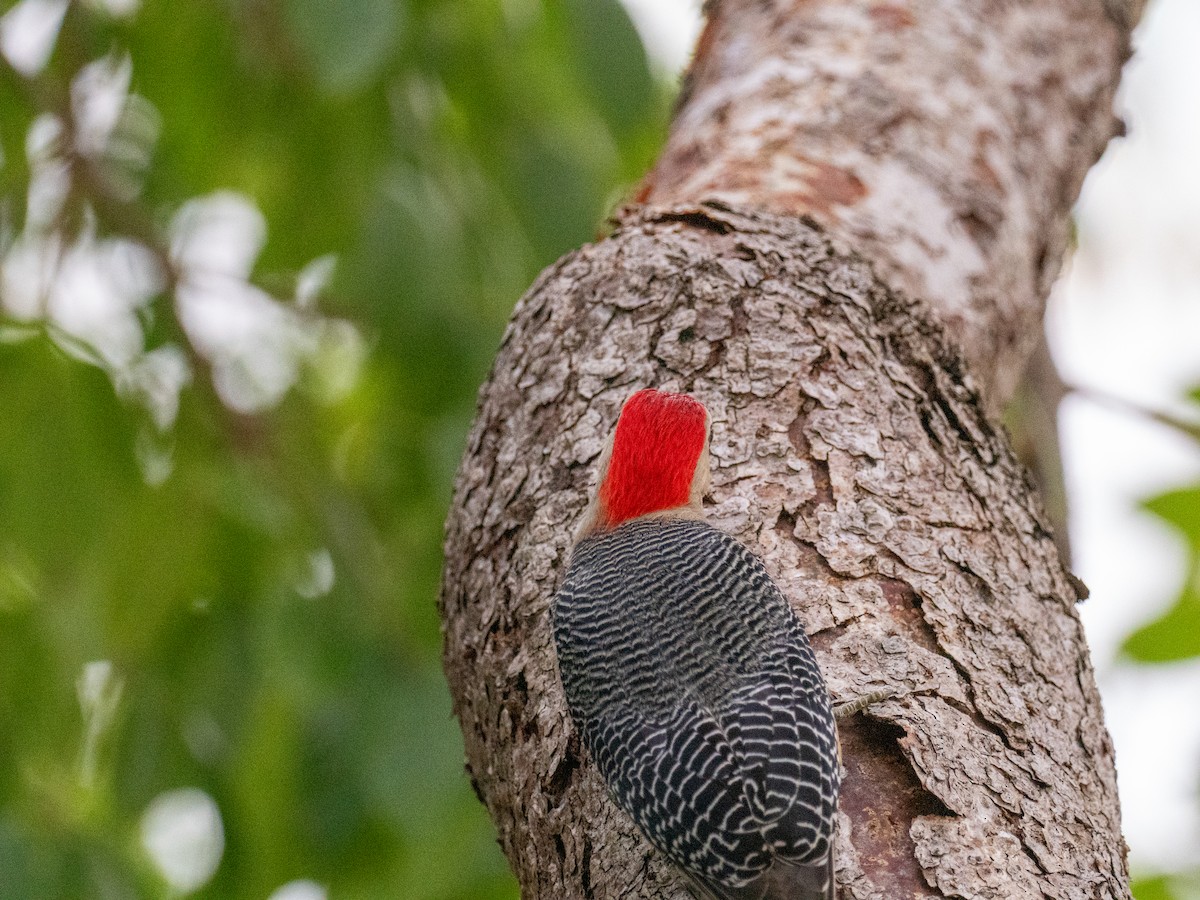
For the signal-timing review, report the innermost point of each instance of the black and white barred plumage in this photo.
(697, 694)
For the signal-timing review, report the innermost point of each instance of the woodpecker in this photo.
(690, 678)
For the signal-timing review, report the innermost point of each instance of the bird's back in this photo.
(698, 696)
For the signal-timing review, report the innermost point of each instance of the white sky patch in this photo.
(118, 9)
(221, 234)
(49, 179)
(26, 273)
(669, 29)
(49, 184)
(317, 575)
(97, 292)
(184, 837)
(255, 343)
(1125, 320)
(42, 136)
(98, 94)
(98, 690)
(313, 279)
(28, 32)
(155, 454)
(300, 890)
(156, 380)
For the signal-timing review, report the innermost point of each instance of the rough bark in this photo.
(947, 139)
(852, 451)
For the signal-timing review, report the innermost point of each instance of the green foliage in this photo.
(1167, 887)
(1175, 635)
(346, 44)
(238, 595)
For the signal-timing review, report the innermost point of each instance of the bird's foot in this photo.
(858, 704)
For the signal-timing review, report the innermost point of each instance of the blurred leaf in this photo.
(1174, 636)
(1180, 886)
(1157, 888)
(444, 153)
(348, 42)
(612, 62)
(1180, 509)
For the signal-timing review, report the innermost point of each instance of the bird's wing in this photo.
(677, 777)
(760, 721)
(705, 889)
(782, 734)
(687, 784)
(783, 881)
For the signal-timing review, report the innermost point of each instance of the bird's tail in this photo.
(786, 881)
(783, 881)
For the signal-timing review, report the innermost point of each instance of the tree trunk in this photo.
(854, 444)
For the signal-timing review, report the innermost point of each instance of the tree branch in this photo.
(946, 140)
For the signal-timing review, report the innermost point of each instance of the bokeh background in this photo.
(255, 258)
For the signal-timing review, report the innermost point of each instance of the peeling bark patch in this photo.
(882, 796)
(737, 321)
(474, 783)
(892, 17)
(986, 140)
(832, 186)
(982, 228)
(797, 437)
(822, 482)
(644, 190)
(1082, 591)
(804, 185)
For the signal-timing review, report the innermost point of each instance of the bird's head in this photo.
(655, 463)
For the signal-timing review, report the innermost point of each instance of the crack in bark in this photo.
(881, 802)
